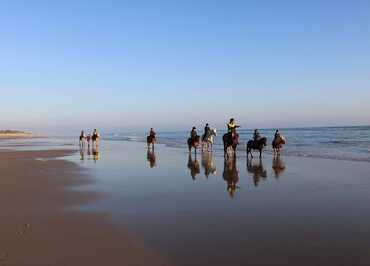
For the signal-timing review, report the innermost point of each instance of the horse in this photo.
(151, 139)
(208, 140)
(278, 143)
(256, 145)
(95, 139)
(231, 140)
(193, 143)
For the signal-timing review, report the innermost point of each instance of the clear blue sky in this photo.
(65, 65)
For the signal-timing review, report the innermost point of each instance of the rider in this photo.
(193, 133)
(232, 125)
(152, 133)
(256, 135)
(277, 134)
(82, 136)
(206, 131)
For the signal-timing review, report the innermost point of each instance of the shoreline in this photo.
(36, 227)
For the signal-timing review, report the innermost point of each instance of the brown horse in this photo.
(194, 143)
(256, 145)
(231, 140)
(278, 143)
(150, 140)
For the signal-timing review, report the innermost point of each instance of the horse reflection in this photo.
(231, 175)
(150, 156)
(95, 153)
(208, 164)
(82, 154)
(256, 168)
(278, 166)
(193, 166)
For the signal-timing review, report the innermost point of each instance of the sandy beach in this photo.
(20, 135)
(36, 228)
(123, 205)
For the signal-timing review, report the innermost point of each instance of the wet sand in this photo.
(123, 205)
(36, 227)
(205, 211)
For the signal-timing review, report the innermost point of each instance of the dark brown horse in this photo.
(150, 140)
(256, 145)
(231, 140)
(194, 143)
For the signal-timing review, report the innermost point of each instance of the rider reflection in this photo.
(208, 164)
(278, 166)
(231, 175)
(193, 166)
(256, 168)
(150, 156)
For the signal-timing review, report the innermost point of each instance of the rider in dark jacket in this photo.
(193, 133)
(206, 132)
(152, 133)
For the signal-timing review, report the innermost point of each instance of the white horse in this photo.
(209, 139)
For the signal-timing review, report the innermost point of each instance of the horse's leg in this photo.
(260, 153)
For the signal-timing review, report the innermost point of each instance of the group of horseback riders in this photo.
(94, 138)
(230, 139)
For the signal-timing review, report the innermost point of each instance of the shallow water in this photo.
(203, 211)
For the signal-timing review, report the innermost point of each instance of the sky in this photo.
(115, 64)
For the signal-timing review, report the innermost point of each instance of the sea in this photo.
(340, 143)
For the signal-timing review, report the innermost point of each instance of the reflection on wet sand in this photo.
(92, 153)
(208, 164)
(82, 153)
(95, 152)
(193, 166)
(278, 166)
(255, 167)
(231, 175)
(150, 156)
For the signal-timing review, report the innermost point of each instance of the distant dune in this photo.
(14, 134)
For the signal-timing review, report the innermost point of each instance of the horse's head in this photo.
(264, 141)
(213, 131)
